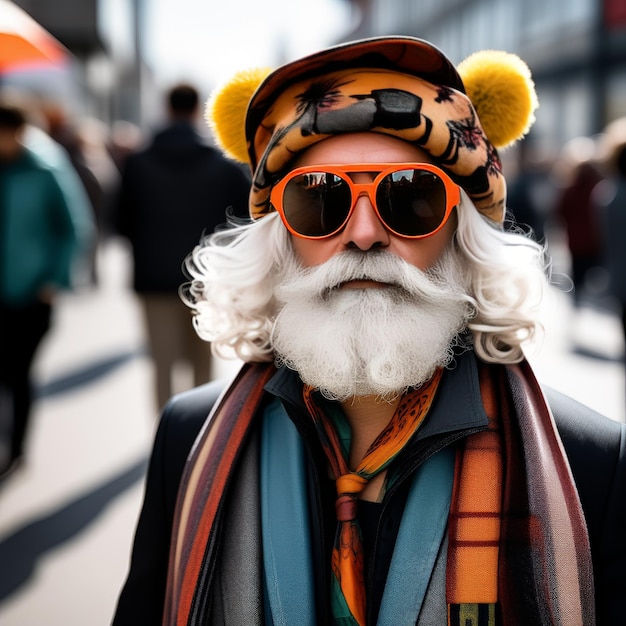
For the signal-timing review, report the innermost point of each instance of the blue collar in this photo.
(285, 522)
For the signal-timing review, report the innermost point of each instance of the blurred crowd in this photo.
(162, 191)
(68, 183)
(574, 202)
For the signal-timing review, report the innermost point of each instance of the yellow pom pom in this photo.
(501, 88)
(226, 108)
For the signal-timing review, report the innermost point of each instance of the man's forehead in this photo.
(370, 147)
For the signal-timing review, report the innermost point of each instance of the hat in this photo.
(399, 86)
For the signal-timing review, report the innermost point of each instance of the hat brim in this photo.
(401, 54)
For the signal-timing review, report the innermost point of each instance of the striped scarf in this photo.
(518, 547)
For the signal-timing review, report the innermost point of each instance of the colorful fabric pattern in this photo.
(200, 502)
(474, 522)
(348, 585)
(370, 96)
(539, 572)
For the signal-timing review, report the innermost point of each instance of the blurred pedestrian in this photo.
(46, 227)
(84, 139)
(92, 144)
(171, 193)
(610, 199)
(125, 138)
(575, 210)
(522, 205)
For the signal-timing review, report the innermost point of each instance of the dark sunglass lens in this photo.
(316, 203)
(412, 202)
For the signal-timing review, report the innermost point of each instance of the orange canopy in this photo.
(24, 43)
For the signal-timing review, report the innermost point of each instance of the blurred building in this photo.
(105, 38)
(576, 50)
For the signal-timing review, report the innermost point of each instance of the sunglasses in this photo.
(412, 200)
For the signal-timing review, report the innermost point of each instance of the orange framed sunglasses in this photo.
(412, 200)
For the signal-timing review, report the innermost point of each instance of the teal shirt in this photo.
(46, 223)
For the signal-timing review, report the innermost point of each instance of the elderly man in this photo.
(385, 455)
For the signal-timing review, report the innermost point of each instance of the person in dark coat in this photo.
(46, 229)
(174, 192)
(576, 211)
(610, 203)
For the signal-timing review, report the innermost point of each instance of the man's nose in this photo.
(364, 229)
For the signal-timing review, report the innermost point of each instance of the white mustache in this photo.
(381, 267)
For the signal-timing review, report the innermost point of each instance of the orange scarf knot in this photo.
(350, 483)
(349, 486)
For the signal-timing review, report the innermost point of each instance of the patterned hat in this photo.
(398, 86)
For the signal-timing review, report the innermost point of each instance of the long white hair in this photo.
(234, 272)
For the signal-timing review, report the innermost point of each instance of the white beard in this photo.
(371, 341)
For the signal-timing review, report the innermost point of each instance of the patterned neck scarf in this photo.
(348, 599)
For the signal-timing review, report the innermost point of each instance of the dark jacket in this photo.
(46, 224)
(612, 211)
(172, 193)
(595, 445)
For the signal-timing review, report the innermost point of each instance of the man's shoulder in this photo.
(186, 412)
(596, 450)
(577, 423)
(184, 415)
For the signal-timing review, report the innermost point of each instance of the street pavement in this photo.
(67, 516)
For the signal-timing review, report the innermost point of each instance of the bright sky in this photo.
(209, 40)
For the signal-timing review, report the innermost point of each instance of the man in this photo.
(46, 228)
(578, 175)
(609, 203)
(172, 193)
(385, 455)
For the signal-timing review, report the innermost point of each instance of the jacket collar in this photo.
(458, 405)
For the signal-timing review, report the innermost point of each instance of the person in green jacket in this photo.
(45, 228)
